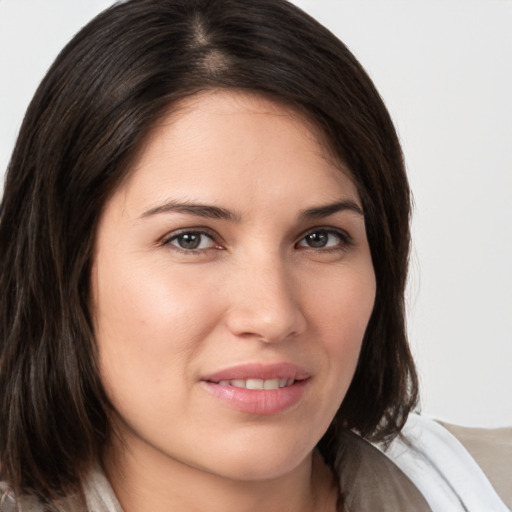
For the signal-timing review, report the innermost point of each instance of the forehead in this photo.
(203, 107)
(220, 138)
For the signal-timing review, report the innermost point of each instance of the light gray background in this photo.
(444, 68)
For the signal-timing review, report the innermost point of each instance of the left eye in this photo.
(191, 240)
(323, 239)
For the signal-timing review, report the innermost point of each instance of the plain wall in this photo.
(444, 68)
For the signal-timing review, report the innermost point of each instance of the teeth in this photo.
(254, 384)
(257, 383)
(271, 384)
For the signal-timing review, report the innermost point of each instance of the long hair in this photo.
(104, 92)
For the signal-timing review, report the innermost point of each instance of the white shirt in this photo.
(441, 468)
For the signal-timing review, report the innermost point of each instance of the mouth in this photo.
(259, 389)
(259, 375)
(257, 383)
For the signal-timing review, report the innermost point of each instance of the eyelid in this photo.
(173, 235)
(345, 237)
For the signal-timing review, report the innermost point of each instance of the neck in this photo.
(152, 485)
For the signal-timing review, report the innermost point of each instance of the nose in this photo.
(265, 302)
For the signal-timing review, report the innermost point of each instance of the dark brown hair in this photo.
(100, 98)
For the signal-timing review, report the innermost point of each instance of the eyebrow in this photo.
(319, 212)
(201, 210)
(216, 212)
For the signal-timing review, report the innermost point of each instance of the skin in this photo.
(267, 283)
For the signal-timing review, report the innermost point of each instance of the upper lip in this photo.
(259, 371)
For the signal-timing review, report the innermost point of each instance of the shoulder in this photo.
(8, 503)
(442, 469)
(371, 481)
(426, 468)
(97, 492)
(492, 451)
(25, 503)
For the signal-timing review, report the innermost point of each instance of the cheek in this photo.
(342, 316)
(148, 324)
(148, 299)
(343, 303)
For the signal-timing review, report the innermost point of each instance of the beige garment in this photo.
(371, 482)
(492, 450)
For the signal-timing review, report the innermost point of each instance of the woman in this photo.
(203, 252)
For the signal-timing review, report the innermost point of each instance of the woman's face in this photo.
(233, 257)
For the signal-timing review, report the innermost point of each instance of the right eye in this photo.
(192, 241)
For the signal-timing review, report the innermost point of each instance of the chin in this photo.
(260, 460)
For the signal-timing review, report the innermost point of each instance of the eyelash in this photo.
(345, 240)
(190, 232)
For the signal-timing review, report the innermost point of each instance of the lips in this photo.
(257, 371)
(257, 388)
(257, 383)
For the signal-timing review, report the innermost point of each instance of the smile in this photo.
(258, 383)
(259, 389)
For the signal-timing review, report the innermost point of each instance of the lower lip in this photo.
(259, 401)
